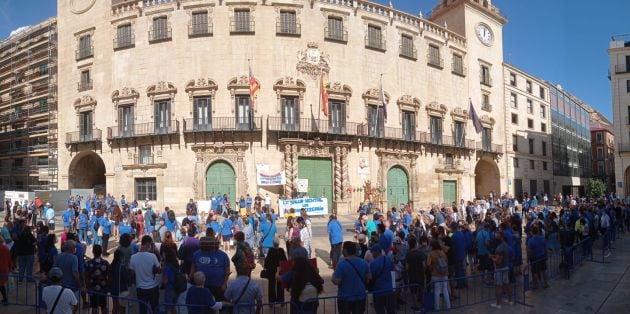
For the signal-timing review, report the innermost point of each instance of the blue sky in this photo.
(561, 41)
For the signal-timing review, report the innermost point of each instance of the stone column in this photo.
(288, 171)
(345, 175)
(294, 166)
(337, 175)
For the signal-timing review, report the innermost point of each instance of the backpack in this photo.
(442, 265)
(181, 282)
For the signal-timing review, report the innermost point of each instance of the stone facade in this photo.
(288, 45)
(528, 133)
(619, 53)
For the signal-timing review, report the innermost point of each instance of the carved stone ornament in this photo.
(312, 61)
(435, 109)
(206, 155)
(202, 86)
(289, 84)
(487, 121)
(84, 102)
(459, 114)
(162, 88)
(336, 88)
(374, 94)
(124, 94)
(409, 103)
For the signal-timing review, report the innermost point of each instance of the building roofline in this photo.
(28, 30)
(520, 70)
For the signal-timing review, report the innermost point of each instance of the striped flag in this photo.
(254, 87)
(475, 118)
(324, 95)
(382, 100)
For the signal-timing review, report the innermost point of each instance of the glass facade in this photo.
(571, 136)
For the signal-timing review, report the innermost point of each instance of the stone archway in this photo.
(221, 179)
(87, 171)
(487, 179)
(397, 186)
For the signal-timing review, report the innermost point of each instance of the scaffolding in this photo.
(28, 109)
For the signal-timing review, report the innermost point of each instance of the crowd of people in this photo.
(430, 251)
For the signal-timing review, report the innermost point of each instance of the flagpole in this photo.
(377, 127)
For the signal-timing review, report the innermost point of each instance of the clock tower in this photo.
(481, 23)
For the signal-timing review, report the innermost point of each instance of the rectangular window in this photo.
(243, 112)
(512, 79)
(485, 102)
(436, 130)
(544, 166)
(513, 101)
(124, 36)
(530, 123)
(514, 118)
(515, 162)
(43, 69)
(532, 164)
(160, 30)
(601, 168)
(541, 92)
(544, 148)
(202, 114)
(146, 188)
(628, 86)
(288, 23)
(407, 48)
(376, 125)
(514, 142)
(125, 121)
(335, 29)
(145, 157)
(200, 24)
(528, 86)
(530, 106)
(434, 56)
(409, 125)
(486, 139)
(485, 75)
(543, 112)
(162, 116)
(86, 81)
(85, 47)
(290, 113)
(458, 64)
(337, 118)
(600, 153)
(85, 126)
(459, 135)
(533, 187)
(242, 22)
(600, 137)
(448, 161)
(543, 127)
(375, 37)
(531, 145)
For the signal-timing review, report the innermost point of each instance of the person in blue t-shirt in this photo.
(458, 240)
(214, 264)
(268, 232)
(107, 230)
(537, 255)
(125, 227)
(335, 237)
(226, 231)
(199, 298)
(83, 226)
(351, 276)
(381, 284)
(68, 218)
(213, 224)
(250, 200)
(483, 254)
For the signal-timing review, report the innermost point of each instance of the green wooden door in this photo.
(221, 179)
(449, 193)
(320, 179)
(397, 187)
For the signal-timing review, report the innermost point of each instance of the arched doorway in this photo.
(221, 179)
(487, 179)
(87, 171)
(626, 182)
(397, 187)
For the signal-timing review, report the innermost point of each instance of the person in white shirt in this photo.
(145, 266)
(58, 300)
(267, 202)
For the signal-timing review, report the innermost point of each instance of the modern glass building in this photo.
(571, 142)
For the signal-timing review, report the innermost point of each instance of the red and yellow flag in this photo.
(254, 87)
(324, 95)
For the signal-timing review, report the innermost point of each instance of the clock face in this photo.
(485, 34)
(81, 6)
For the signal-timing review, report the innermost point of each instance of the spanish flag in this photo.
(324, 95)
(254, 87)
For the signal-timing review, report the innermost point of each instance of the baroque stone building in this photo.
(167, 113)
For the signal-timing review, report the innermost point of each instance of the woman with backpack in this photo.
(437, 262)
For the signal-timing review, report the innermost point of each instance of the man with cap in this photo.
(381, 285)
(57, 298)
(145, 265)
(214, 264)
